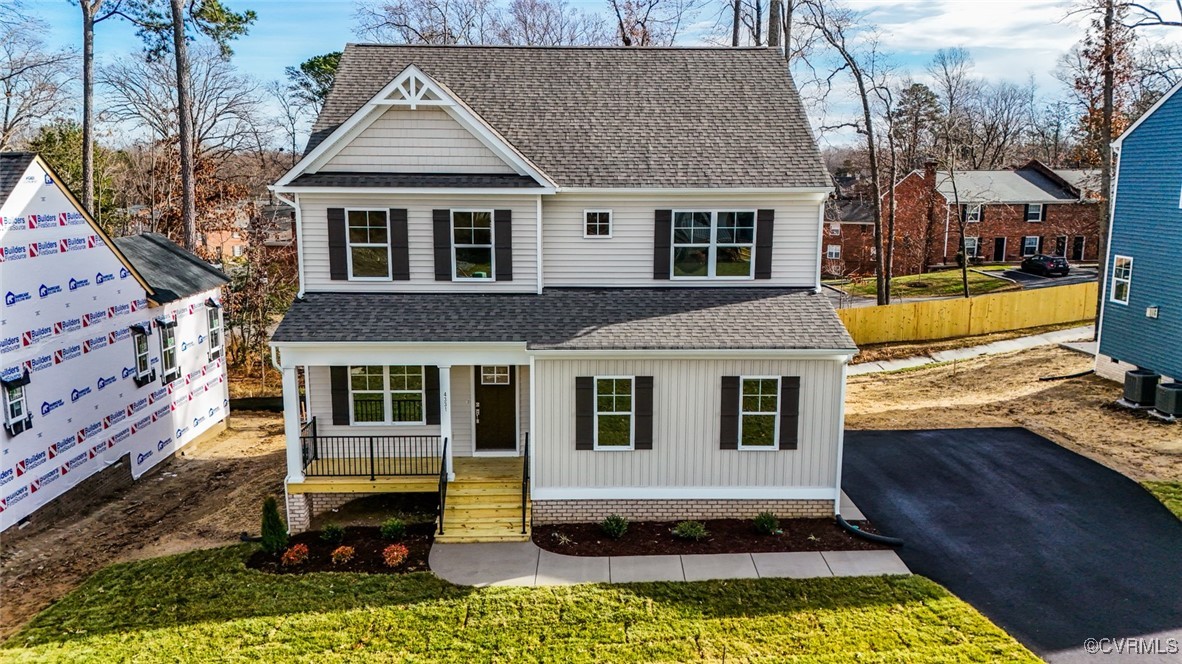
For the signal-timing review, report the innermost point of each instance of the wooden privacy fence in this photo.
(983, 314)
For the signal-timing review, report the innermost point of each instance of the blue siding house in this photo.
(1141, 319)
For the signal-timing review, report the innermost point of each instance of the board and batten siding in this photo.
(423, 140)
(686, 413)
(1147, 226)
(626, 258)
(420, 235)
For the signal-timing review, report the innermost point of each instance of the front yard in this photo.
(946, 283)
(205, 605)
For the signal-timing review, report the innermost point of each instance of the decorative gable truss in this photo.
(412, 90)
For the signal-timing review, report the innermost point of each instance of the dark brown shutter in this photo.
(1025, 213)
(789, 411)
(503, 237)
(765, 221)
(399, 245)
(584, 413)
(338, 252)
(981, 213)
(729, 429)
(431, 387)
(662, 243)
(1039, 245)
(340, 394)
(644, 413)
(441, 223)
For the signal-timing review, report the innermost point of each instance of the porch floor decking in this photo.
(475, 470)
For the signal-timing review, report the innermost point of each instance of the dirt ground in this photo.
(204, 497)
(1004, 390)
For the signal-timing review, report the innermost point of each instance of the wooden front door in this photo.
(1077, 248)
(1061, 246)
(496, 408)
(999, 249)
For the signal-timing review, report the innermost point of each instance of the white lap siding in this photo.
(420, 235)
(626, 259)
(686, 411)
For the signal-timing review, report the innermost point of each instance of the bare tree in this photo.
(440, 22)
(651, 22)
(1141, 15)
(34, 81)
(550, 23)
(950, 68)
(293, 117)
(92, 15)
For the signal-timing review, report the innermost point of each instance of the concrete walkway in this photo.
(524, 564)
(956, 354)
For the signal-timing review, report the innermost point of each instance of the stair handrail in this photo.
(442, 484)
(524, 482)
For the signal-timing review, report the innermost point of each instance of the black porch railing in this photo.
(369, 456)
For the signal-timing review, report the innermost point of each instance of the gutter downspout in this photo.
(538, 216)
(299, 239)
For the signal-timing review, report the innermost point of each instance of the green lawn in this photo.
(206, 605)
(933, 284)
(1169, 493)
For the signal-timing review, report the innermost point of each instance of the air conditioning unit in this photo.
(1141, 387)
(1169, 399)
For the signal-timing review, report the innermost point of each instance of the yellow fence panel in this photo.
(960, 317)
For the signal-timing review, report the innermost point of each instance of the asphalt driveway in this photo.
(1050, 545)
(1079, 275)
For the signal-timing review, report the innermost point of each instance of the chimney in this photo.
(929, 174)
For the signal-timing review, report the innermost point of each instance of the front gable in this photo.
(415, 125)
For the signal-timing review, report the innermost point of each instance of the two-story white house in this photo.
(557, 283)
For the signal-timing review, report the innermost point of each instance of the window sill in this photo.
(371, 279)
(630, 448)
(773, 448)
(676, 278)
(144, 379)
(18, 427)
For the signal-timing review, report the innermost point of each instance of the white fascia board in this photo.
(1152, 109)
(407, 191)
(437, 354)
(683, 492)
(832, 355)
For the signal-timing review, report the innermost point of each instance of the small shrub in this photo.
(342, 555)
(273, 530)
(296, 555)
(614, 526)
(693, 530)
(395, 555)
(766, 523)
(332, 533)
(562, 539)
(393, 529)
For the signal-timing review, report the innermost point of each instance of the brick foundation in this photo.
(588, 511)
(302, 507)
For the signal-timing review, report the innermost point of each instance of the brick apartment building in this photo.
(1008, 214)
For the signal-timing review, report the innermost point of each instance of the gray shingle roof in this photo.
(12, 166)
(614, 117)
(576, 319)
(172, 272)
(414, 180)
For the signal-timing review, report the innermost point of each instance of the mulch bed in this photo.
(367, 543)
(646, 538)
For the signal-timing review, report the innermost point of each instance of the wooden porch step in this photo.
(487, 511)
(466, 538)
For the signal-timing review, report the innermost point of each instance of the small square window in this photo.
(494, 375)
(833, 251)
(597, 224)
(835, 229)
(1034, 212)
(972, 213)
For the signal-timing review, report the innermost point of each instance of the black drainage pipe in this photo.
(1074, 375)
(858, 532)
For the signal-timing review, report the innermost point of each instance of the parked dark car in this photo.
(1047, 266)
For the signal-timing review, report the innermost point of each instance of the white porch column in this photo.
(291, 425)
(445, 416)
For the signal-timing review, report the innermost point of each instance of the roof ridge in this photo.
(564, 47)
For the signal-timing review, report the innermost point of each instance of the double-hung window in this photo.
(369, 244)
(614, 428)
(1029, 245)
(713, 244)
(1034, 212)
(972, 246)
(170, 368)
(759, 412)
(472, 244)
(387, 394)
(1122, 278)
(143, 362)
(972, 213)
(213, 319)
(833, 251)
(17, 418)
(597, 224)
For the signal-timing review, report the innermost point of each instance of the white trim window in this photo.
(615, 422)
(143, 360)
(368, 244)
(494, 375)
(473, 255)
(972, 247)
(833, 251)
(170, 368)
(597, 224)
(1035, 212)
(835, 228)
(1122, 279)
(1029, 246)
(16, 407)
(213, 322)
(972, 213)
(387, 395)
(759, 412)
(713, 245)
